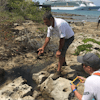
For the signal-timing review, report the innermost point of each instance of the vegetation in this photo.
(86, 47)
(83, 47)
(19, 10)
(92, 40)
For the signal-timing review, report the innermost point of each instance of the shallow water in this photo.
(89, 16)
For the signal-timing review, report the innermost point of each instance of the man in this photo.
(91, 65)
(98, 22)
(62, 29)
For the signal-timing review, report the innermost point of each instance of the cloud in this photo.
(96, 2)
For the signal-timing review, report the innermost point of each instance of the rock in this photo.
(30, 56)
(16, 24)
(28, 98)
(79, 23)
(19, 28)
(36, 94)
(2, 72)
(15, 90)
(58, 89)
(40, 77)
(21, 39)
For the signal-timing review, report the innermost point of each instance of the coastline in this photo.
(67, 17)
(76, 17)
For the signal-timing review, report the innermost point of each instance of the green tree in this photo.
(29, 10)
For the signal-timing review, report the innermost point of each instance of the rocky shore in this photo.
(26, 76)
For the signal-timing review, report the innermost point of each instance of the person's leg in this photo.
(62, 57)
(98, 24)
(65, 47)
(60, 63)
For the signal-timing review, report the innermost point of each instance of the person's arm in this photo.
(46, 42)
(79, 96)
(41, 50)
(61, 44)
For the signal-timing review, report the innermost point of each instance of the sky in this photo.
(96, 2)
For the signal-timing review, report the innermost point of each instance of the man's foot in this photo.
(64, 64)
(56, 75)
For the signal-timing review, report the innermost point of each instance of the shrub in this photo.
(21, 8)
(26, 9)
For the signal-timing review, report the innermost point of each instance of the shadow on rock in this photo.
(70, 75)
(79, 70)
(23, 71)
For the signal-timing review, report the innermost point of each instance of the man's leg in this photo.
(60, 63)
(62, 57)
(98, 24)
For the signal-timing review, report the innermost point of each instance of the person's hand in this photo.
(82, 78)
(58, 53)
(72, 87)
(41, 50)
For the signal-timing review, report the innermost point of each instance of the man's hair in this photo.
(47, 15)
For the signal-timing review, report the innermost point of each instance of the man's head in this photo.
(89, 60)
(48, 19)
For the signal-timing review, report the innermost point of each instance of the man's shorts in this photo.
(98, 21)
(66, 45)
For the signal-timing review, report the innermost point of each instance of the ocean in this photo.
(90, 16)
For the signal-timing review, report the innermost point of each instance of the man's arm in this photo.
(41, 50)
(61, 43)
(46, 42)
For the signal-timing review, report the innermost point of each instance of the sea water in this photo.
(91, 16)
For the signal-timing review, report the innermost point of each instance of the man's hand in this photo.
(58, 53)
(41, 50)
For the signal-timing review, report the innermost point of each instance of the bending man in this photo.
(62, 29)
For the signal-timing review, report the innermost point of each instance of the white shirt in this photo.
(92, 88)
(61, 29)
